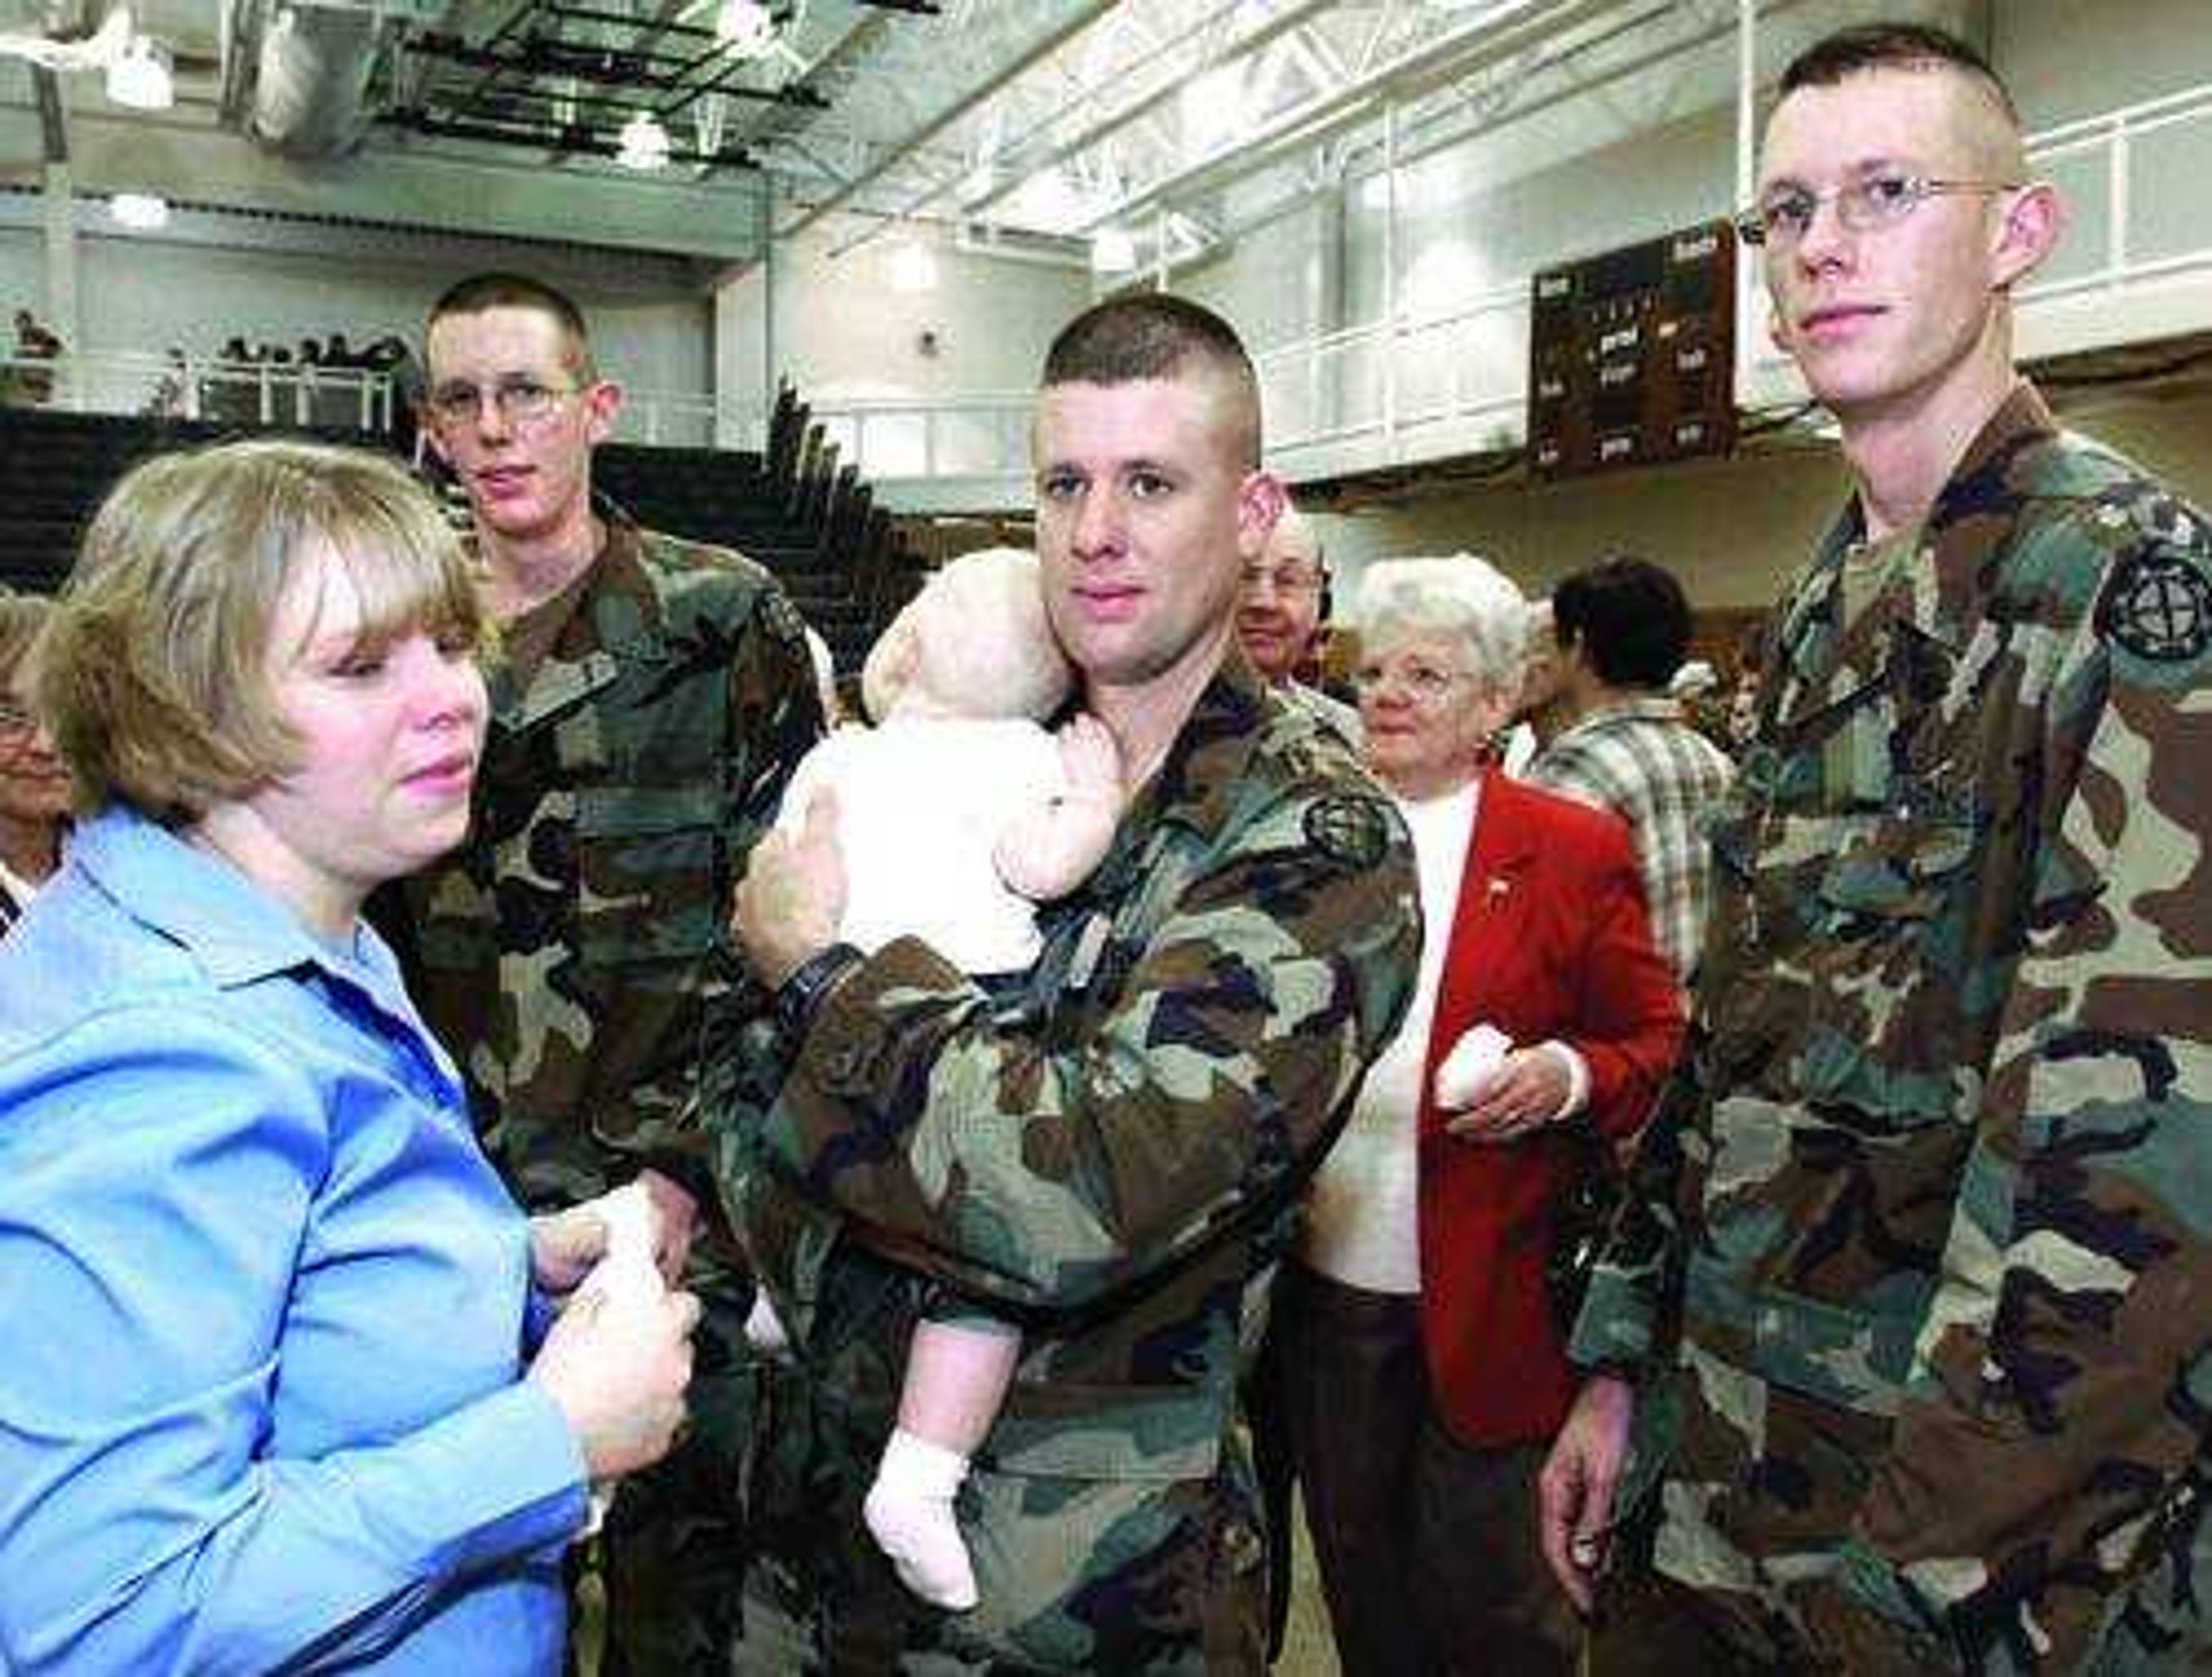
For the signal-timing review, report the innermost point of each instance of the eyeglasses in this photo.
(1424, 683)
(1868, 204)
(1290, 579)
(519, 401)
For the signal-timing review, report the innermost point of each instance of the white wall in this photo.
(1283, 281)
(841, 330)
(2068, 58)
(23, 271)
(220, 275)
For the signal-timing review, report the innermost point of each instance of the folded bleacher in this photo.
(792, 507)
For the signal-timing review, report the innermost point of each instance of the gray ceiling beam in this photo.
(1491, 40)
(1077, 20)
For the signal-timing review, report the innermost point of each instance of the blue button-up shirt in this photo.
(261, 1302)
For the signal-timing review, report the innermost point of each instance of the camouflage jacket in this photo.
(1920, 1280)
(574, 953)
(1113, 1161)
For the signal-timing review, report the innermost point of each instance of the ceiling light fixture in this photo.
(644, 143)
(745, 28)
(139, 76)
(144, 211)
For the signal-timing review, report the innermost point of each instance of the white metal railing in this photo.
(186, 386)
(1402, 390)
(686, 419)
(982, 435)
(1467, 365)
(1418, 387)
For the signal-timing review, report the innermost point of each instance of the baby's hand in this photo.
(1088, 758)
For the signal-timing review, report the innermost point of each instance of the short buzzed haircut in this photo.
(1868, 46)
(1155, 335)
(1629, 617)
(481, 292)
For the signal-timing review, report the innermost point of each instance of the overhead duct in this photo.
(312, 68)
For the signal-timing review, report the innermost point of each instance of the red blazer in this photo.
(1549, 939)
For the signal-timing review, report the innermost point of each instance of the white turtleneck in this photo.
(1360, 1226)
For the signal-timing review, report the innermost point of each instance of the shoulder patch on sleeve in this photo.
(781, 618)
(2157, 606)
(1349, 831)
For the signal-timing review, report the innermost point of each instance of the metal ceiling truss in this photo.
(563, 78)
(1178, 123)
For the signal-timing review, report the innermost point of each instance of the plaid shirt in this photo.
(1640, 759)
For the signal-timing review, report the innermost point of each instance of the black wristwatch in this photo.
(798, 997)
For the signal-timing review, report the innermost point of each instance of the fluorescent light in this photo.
(1047, 200)
(644, 143)
(139, 78)
(745, 28)
(913, 269)
(1113, 251)
(142, 211)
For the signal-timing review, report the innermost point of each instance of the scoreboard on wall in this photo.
(1632, 355)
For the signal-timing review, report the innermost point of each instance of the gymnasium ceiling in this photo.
(1043, 122)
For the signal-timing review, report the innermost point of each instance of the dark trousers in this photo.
(1429, 1560)
(1652, 1626)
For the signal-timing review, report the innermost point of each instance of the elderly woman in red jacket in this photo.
(1423, 1371)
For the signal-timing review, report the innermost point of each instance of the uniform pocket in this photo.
(649, 866)
(1901, 869)
(1074, 1430)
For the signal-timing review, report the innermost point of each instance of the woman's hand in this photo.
(617, 1366)
(1527, 1091)
(565, 1245)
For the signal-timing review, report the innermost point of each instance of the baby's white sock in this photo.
(910, 1514)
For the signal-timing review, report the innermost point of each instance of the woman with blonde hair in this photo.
(264, 1400)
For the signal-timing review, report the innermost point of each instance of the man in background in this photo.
(1621, 629)
(1279, 618)
(650, 698)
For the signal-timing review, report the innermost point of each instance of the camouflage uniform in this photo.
(573, 955)
(1920, 1284)
(1110, 1159)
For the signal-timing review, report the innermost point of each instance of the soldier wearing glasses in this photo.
(1901, 1359)
(649, 700)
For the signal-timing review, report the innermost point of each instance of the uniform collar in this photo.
(1213, 747)
(616, 609)
(1948, 586)
(1948, 574)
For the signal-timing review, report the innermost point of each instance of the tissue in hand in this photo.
(1468, 1068)
(628, 1270)
(626, 1273)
